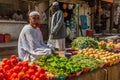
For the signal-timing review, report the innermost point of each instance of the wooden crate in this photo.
(114, 72)
(95, 75)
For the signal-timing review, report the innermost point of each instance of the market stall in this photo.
(87, 59)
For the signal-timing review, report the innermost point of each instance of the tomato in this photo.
(31, 72)
(11, 71)
(24, 69)
(14, 75)
(41, 70)
(9, 74)
(1, 76)
(4, 60)
(13, 57)
(16, 69)
(19, 64)
(16, 79)
(8, 62)
(42, 76)
(14, 61)
(33, 77)
(1, 70)
(6, 67)
(33, 67)
(37, 79)
(3, 64)
(25, 64)
(37, 74)
(21, 75)
(28, 76)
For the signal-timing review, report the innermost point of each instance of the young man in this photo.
(30, 44)
(58, 29)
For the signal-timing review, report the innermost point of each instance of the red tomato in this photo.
(9, 74)
(1, 70)
(33, 67)
(8, 62)
(16, 79)
(3, 64)
(11, 71)
(12, 79)
(13, 56)
(33, 77)
(19, 64)
(24, 69)
(31, 71)
(41, 70)
(6, 67)
(16, 69)
(37, 79)
(42, 76)
(25, 64)
(37, 74)
(28, 76)
(14, 61)
(14, 75)
(4, 60)
(21, 75)
(1, 76)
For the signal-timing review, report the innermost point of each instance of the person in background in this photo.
(18, 16)
(30, 43)
(57, 29)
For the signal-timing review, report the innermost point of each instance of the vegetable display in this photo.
(55, 65)
(64, 66)
(106, 56)
(14, 70)
(84, 42)
(109, 46)
(85, 61)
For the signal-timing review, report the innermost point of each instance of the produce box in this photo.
(95, 75)
(113, 72)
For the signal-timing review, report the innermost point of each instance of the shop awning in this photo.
(111, 1)
(34, 0)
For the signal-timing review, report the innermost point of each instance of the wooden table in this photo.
(109, 73)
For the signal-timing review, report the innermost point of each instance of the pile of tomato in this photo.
(13, 69)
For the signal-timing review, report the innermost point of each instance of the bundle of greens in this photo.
(84, 42)
(85, 62)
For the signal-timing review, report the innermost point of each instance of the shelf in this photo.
(13, 21)
(11, 44)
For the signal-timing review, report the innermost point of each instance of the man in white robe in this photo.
(30, 44)
(58, 30)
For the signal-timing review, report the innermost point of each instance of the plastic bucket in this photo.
(7, 37)
(89, 33)
(2, 38)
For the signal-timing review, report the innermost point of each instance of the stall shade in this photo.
(111, 1)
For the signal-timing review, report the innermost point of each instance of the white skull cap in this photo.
(34, 13)
(55, 3)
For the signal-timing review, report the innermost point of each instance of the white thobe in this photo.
(31, 45)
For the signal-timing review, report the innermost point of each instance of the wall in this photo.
(41, 7)
(69, 1)
(84, 9)
(14, 2)
(13, 28)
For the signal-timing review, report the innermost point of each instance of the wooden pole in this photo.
(112, 17)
